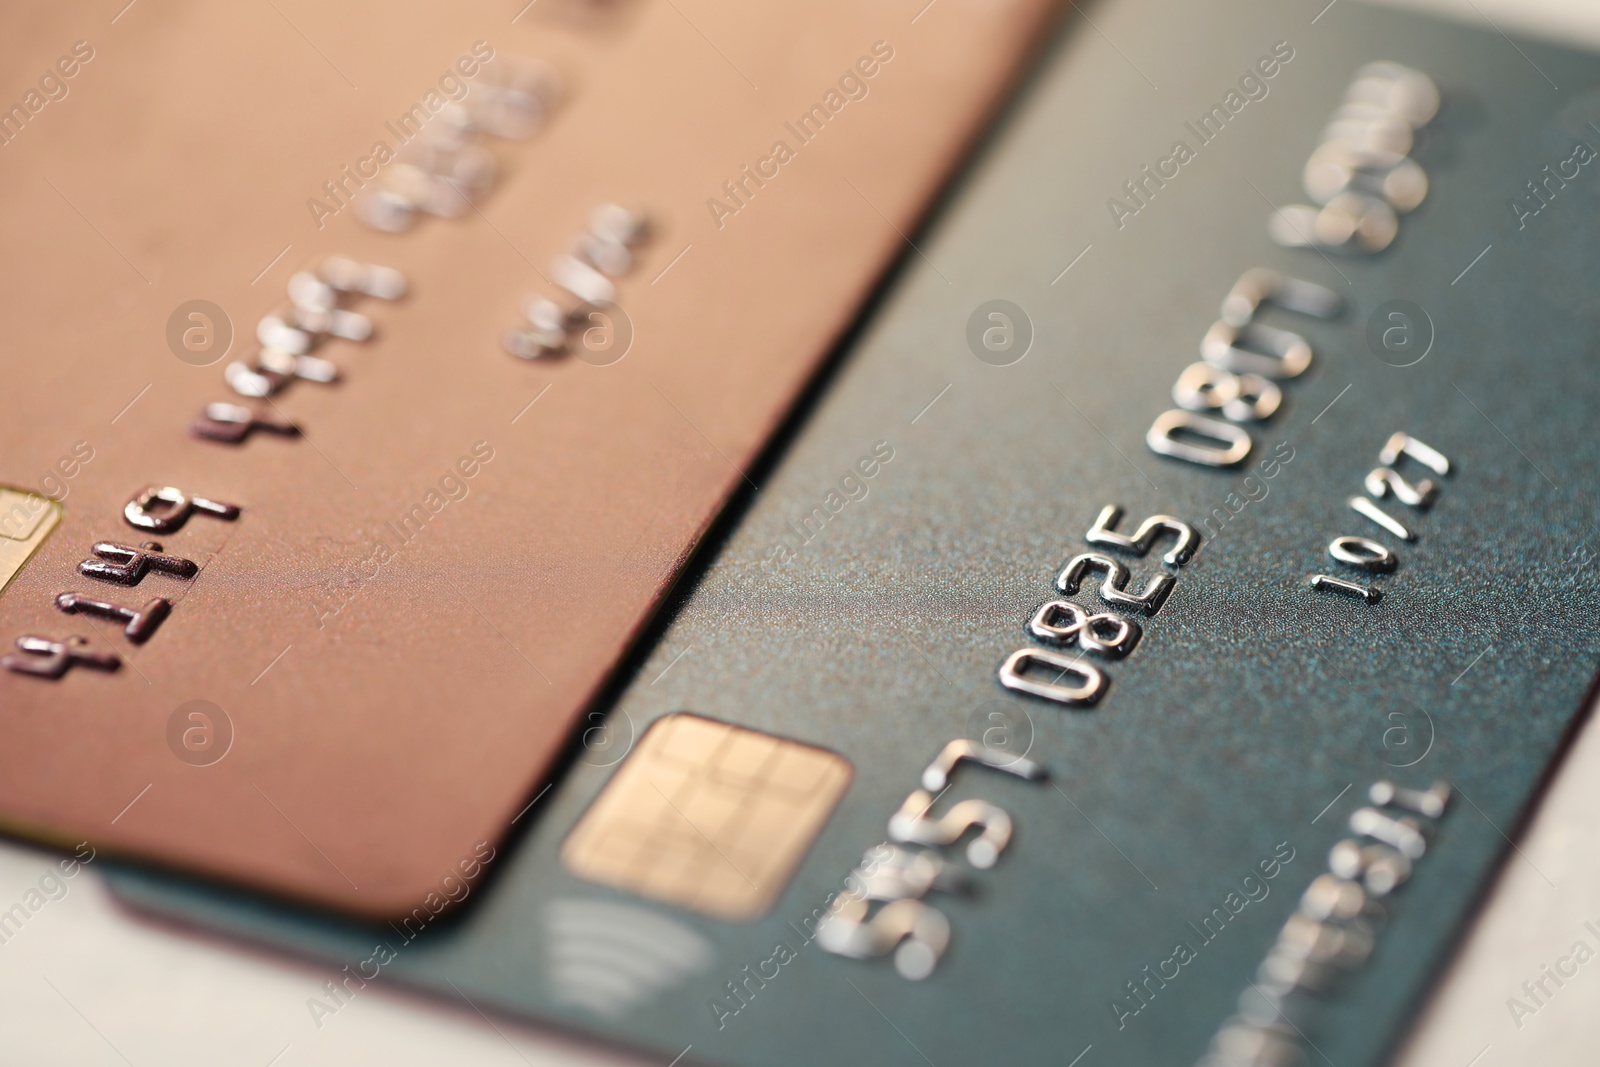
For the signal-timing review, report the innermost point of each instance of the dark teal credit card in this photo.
(1150, 636)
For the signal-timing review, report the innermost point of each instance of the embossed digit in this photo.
(1114, 589)
(1259, 286)
(1362, 553)
(916, 933)
(1198, 439)
(1091, 682)
(1403, 444)
(1239, 397)
(1256, 349)
(913, 824)
(1061, 622)
(1143, 539)
(1384, 480)
(937, 774)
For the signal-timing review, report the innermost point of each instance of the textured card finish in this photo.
(436, 559)
(1173, 844)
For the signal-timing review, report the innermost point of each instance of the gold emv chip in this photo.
(26, 519)
(707, 816)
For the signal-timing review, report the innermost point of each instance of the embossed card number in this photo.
(1051, 674)
(881, 910)
(162, 509)
(1242, 360)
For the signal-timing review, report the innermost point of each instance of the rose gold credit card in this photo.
(372, 370)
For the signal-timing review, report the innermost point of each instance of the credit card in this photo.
(1191, 560)
(375, 372)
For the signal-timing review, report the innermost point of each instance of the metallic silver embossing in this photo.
(1113, 590)
(1367, 593)
(1363, 553)
(1260, 285)
(937, 775)
(1163, 439)
(916, 933)
(914, 825)
(1061, 622)
(1239, 397)
(1430, 802)
(1090, 686)
(1403, 444)
(1367, 509)
(1183, 547)
(1383, 481)
(1256, 348)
